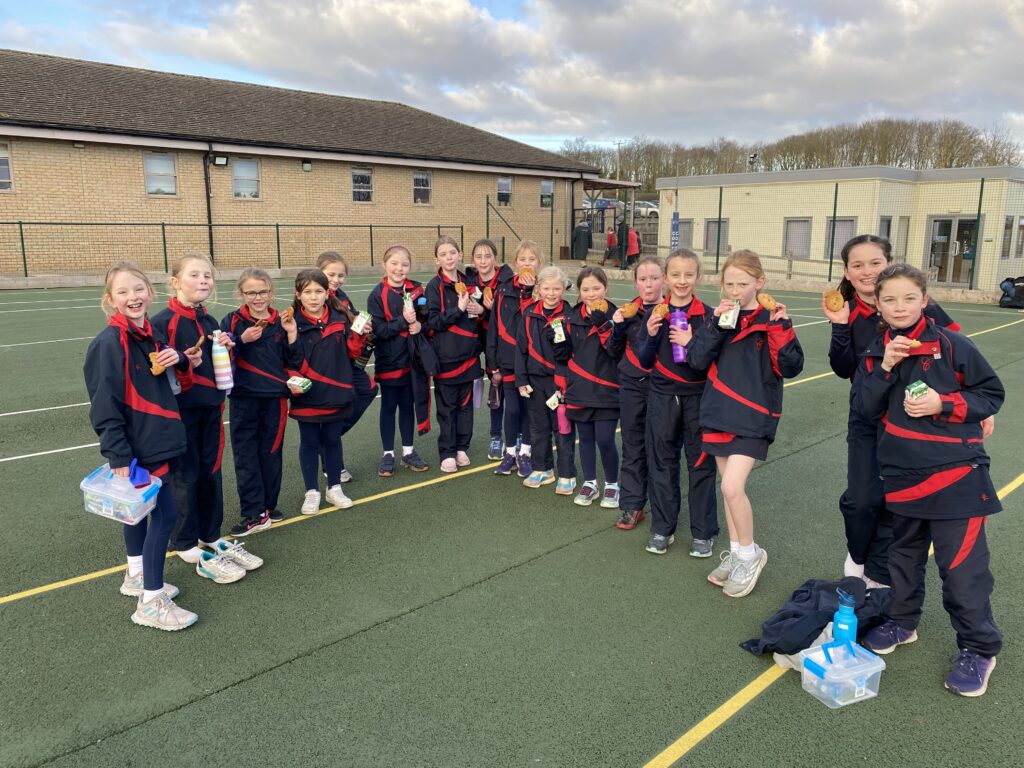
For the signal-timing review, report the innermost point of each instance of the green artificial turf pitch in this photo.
(466, 621)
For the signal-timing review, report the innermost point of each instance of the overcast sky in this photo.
(544, 71)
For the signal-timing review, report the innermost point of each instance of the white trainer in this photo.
(311, 504)
(337, 497)
(218, 568)
(236, 552)
(162, 613)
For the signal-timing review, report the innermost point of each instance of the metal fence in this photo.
(35, 248)
(965, 234)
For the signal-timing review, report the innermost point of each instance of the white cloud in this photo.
(687, 71)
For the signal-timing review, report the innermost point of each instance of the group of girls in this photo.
(707, 391)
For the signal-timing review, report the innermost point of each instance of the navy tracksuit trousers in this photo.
(544, 424)
(868, 523)
(198, 486)
(150, 536)
(257, 436)
(364, 391)
(673, 423)
(962, 555)
(454, 417)
(633, 417)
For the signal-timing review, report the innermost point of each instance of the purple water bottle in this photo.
(677, 319)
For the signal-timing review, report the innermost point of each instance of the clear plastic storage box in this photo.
(841, 673)
(108, 495)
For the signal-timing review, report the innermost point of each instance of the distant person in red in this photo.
(610, 247)
(632, 249)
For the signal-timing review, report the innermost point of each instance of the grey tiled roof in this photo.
(53, 92)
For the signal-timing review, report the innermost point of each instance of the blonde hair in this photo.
(746, 260)
(331, 257)
(446, 240)
(680, 253)
(550, 273)
(393, 249)
(532, 247)
(255, 273)
(115, 269)
(179, 265)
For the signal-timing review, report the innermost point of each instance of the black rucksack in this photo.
(1013, 293)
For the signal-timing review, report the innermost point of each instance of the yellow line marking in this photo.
(709, 724)
(1011, 486)
(997, 328)
(809, 378)
(16, 596)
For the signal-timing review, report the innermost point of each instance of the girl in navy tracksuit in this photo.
(741, 404)
(398, 308)
(198, 488)
(591, 353)
(364, 389)
(854, 326)
(259, 400)
(326, 349)
(540, 376)
(483, 278)
(513, 293)
(135, 415)
(453, 317)
(934, 472)
(673, 416)
(634, 380)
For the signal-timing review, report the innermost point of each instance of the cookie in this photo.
(834, 301)
(287, 314)
(261, 323)
(767, 301)
(526, 272)
(198, 346)
(154, 367)
(661, 310)
(460, 288)
(914, 343)
(630, 310)
(488, 292)
(598, 306)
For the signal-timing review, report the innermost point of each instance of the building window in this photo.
(796, 238)
(504, 190)
(245, 176)
(885, 227)
(421, 187)
(899, 248)
(161, 173)
(1004, 253)
(845, 229)
(712, 242)
(1019, 253)
(6, 182)
(686, 233)
(362, 185)
(547, 193)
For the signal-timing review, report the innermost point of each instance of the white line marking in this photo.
(48, 309)
(47, 453)
(43, 301)
(48, 341)
(816, 322)
(40, 410)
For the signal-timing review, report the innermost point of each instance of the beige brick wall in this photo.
(57, 182)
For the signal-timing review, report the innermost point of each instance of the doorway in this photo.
(951, 244)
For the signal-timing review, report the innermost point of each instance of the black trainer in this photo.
(249, 525)
(386, 467)
(276, 515)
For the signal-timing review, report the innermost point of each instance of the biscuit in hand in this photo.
(598, 306)
(629, 310)
(661, 310)
(767, 301)
(834, 301)
(154, 367)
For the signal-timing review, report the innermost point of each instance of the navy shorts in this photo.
(728, 444)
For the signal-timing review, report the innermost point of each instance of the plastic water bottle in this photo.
(222, 365)
(844, 622)
(677, 319)
(564, 425)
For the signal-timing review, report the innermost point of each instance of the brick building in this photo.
(99, 162)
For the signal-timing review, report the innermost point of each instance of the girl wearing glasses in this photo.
(259, 399)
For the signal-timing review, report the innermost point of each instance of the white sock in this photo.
(134, 565)
(148, 595)
(524, 448)
(211, 544)
(734, 547)
(191, 555)
(511, 450)
(613, 486)
(407, 449)
(592, 483)
(748, 551)
(392, 453)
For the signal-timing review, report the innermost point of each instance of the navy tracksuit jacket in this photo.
(633, 388)
(867, 523)
(323, 354)
(673, 424)
(935, 475)
(591, 353)
(198, 487)
(500, 352)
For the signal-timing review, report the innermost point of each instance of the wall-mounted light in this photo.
(220, 160)
(307, 165)
(78, 145)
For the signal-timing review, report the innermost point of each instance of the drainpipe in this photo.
(207, 159)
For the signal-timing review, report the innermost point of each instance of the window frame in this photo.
(429, 187)
(508, 201)
(235, 177)
(363, 171)
(550, 195)
(5, 154)
(786, 221)
(888, 234)
(839, 241)
(723, 226)
(1019, 253)
(1009, 224)
(146, 175)
(682, 224)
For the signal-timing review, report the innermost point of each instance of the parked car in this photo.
(606, 202)
(646, 210)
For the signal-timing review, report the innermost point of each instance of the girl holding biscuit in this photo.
(747, 350)
(258, 403)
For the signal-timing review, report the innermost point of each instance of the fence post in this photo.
(277, 238)
(24, 258)
(502, 249)
(462, 238)
(371, 244)
(551, 235)
(487, 217)
(977, 237)
(718, 233)
(832, 236)
(163, 238)
(438, 231)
